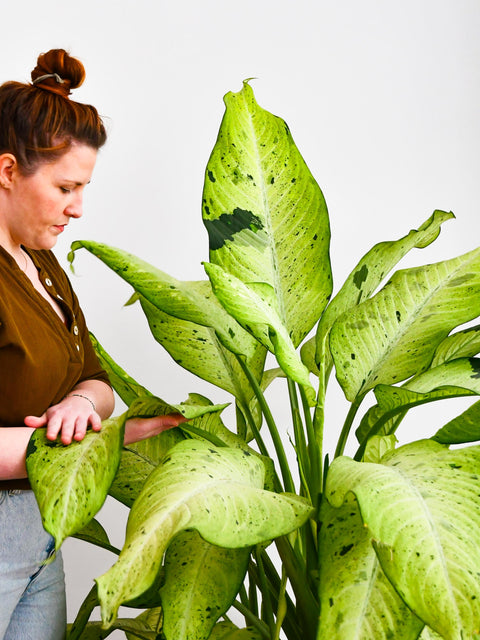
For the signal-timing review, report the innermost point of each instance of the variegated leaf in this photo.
(201, 582)
(393, 335)
(254, 306)
(422, 509)
(217, 491)
(369, 273)
(266, 217)
(357, 602)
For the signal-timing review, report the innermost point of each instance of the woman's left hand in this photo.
(69, 419)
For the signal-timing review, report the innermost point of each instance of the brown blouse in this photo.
(41, 357)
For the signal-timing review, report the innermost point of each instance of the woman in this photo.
(50, 376)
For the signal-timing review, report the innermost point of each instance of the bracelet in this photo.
(79, 395)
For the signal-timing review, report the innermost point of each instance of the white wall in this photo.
(382, 98)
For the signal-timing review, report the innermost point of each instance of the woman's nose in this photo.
(75, 207)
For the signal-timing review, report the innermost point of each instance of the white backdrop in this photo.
(382, 99)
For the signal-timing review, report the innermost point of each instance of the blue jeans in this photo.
(32, 594)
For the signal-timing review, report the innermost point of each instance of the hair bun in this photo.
(58, 72)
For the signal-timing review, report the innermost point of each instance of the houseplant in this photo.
(381, 545)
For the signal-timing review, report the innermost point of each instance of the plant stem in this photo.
(290, 623)
(267, 611)
(83, 615)
(272, 427)
(300, 442)
(342, 441)
(307, 604)
(314, 453)
(252, 619)
(282, 605)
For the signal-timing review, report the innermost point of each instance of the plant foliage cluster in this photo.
(380, 545)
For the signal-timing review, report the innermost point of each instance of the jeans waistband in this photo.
(22, 484)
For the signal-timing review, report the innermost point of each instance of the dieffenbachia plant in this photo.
(383, 544)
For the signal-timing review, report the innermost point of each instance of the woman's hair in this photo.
(38, 121)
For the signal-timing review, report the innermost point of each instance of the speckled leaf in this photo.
(94, 533)
(453, 379)
(197, 349)
(134, 628)
(71, 482)
(357, 601)
(127, 388)
(369, 273)
(462, 344)
(217, 491)
(190, 301)
(255, 307)
(377, 447)
(201, 582)
(464, 428)
(228, 631)
(422, 510)
(151, 619)
(393, 335)
(150, 406)
(428, 634)
(266, 217)
(132, 472)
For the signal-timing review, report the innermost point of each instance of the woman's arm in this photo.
(13, 448)
(90, 402)
(70, 419)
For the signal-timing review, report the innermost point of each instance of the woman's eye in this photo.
(64, 190)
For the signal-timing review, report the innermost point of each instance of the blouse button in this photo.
(75, 330)
(78, 347)
(48, 282)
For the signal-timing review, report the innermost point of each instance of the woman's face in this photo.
(42, 204)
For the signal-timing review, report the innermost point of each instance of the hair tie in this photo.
(49, 75)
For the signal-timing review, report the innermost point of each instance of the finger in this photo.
(95, 422)
(36, 421)
(173, 419)
(80, 430)
(58, 426)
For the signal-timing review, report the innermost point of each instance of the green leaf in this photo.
(393, 335)
(150, 406)
(463, 428)
(80, 473)
(132, 472)
(201, 582)
(135, 630)
(357, 602)
(197, 349)
(94, 533)
(378, 446)
(140, 458)
(126, 387)
(428, 634)
(190, 301)
(462, 344)
(254, 306)
(151, 619)
(422, 510)
(369, 273)
(218, 492)
(77, 628)
(266, 217)
(228, 631)
(454, 379)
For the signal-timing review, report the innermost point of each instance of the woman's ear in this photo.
(8, 167)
